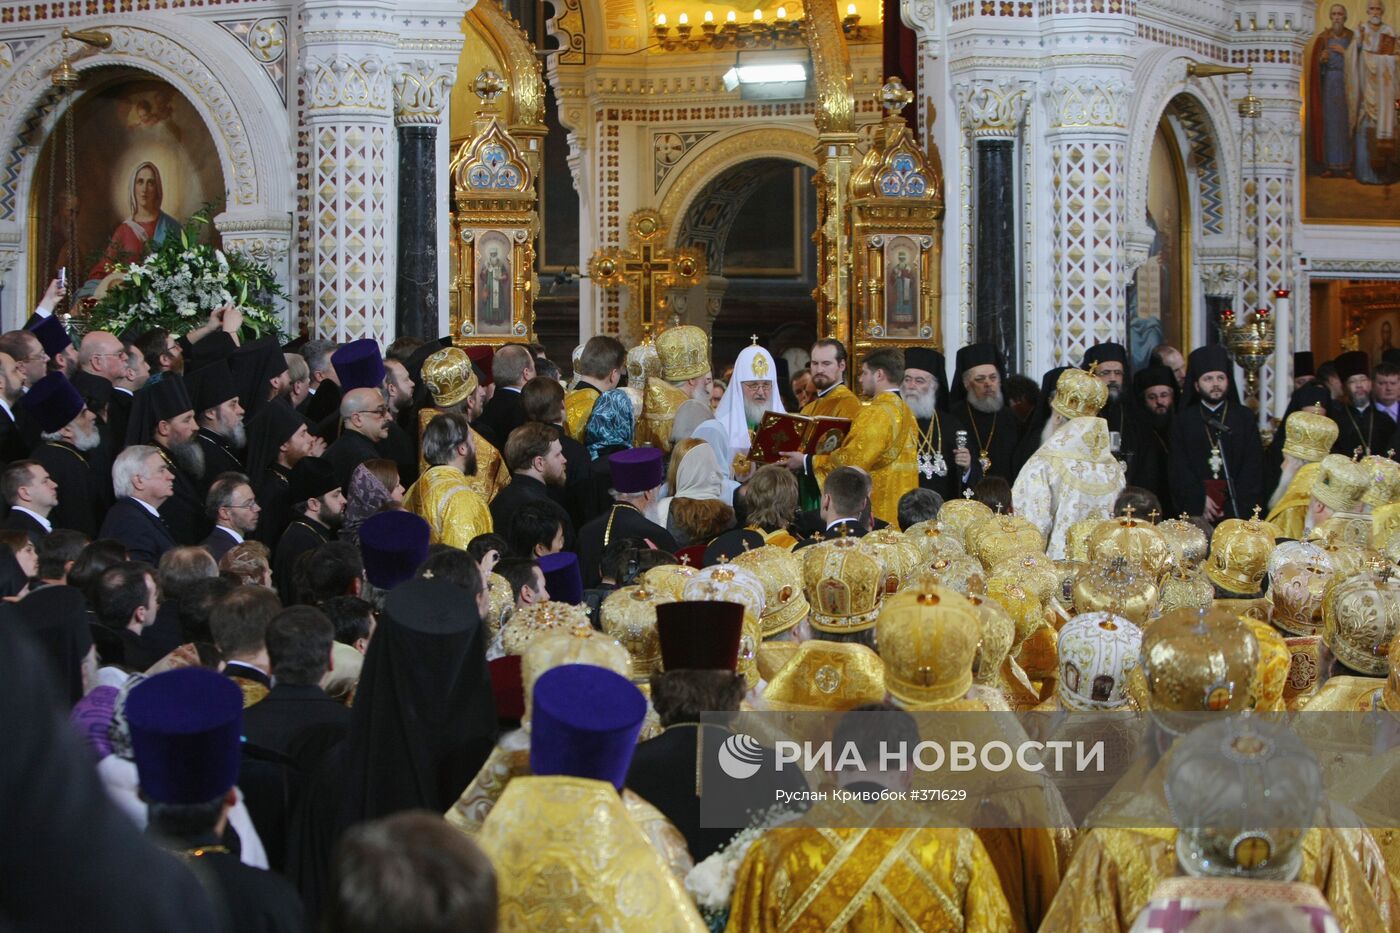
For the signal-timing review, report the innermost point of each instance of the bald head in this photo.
(102, 354)
(364, 411)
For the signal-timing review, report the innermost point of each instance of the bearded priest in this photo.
(943, 465)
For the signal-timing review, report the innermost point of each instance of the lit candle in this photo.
(850, 9)
(1284, 345)
(709, 17)
(661, 19)
(730, 17)
(758, 16)
(685, 19)
(782, 12)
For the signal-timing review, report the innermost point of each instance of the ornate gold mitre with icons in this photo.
(1134, 539)
(730, 584)
(784, 604)
(844, 585)
(827, 675)
(1096, 651)
(1310, 435)
(1185, 589)
(1079, 394)
(684, 353)
(961, 573)
(1239, 554)
(1119, 588)
(1340, 483)
(996, 636)
(900, 557)
(1077, 536)
(1297, 592)
(928, 639)
(1361, 616)
(958, 515)
(569, 646)
(529, 622)
(934, 540)
(668, 579)
(996, 539)
(1384, 487)
(643, 362)
(1188, 541)
(1198, 662)
(629, 615)
(449, 377)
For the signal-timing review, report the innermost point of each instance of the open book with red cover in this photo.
(780, 432)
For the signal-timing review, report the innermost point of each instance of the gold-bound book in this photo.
(780, 432)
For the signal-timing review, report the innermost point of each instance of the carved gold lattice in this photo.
(648, 268)
(897, 235)
(494, 225)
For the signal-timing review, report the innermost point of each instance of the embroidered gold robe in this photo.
(491, 474)
(871, 880)
(578, 405)
(1289, 515)
(840, 402)
(659, 405)
(455, 513)
(882, 442)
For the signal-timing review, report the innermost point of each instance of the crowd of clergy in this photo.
(345, 637)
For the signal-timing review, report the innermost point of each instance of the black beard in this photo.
(469, 468)
(1162, 422)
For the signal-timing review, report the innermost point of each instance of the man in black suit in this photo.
(323, 398)
(132, 378)
(399, 445)
(535, 458)
(845, 506)
(163, 415)
(31, 495)
(143, 482)
(219, 414)
(364, 422)
(127, 602)
(637, 475)
(297, 718)
(543, 400)
(511, 368)
(278, 438)
(233, 508)
(68, 436)
(318, 505)
(12, 445)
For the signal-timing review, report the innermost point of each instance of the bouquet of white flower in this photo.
(178, 284)
(711, 882)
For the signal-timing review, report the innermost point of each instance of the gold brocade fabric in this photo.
(491, 473)
(1346, 529)
(840, 402)
(1071, 477)
(780, 538)
(253, 692)
(1289, 515)
(454, 512)
(1347, 694)
(659, 405)
(882, 441)
(578, 405)
(568, 856)
(1115, 871)
(871, 880)
(1217, 893)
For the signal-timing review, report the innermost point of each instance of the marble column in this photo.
(421, 89)
(994, 308)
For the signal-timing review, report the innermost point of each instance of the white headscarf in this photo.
(754, 363)
(713, 433)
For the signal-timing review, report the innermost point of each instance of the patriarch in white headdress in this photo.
(751, 392)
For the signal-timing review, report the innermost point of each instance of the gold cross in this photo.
(1128, 512)
(1153, 516)
(1256, 514)
(648, 268)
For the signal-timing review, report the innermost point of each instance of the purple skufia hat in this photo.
(636, 470)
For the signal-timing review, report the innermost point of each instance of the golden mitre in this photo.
(1096, 652)
(1079, 394)
(731, 584)
(545, 829)
(1309, 435)
(827, 676)
(1390, 693)
(1360, 619)
(1340, 483)
(995, 539)
(528, 622)
(1077, 537)
(684, 353)
(1138, 541)
(1384, 474)
(569, 646)
(844, 585)
(643, 361)
(1021, 605)
(501, 603)
(1297, 552)
(928, 640)
(1385, 521)
(1297, 592)
(1186, 539)
(958, 515)
(1036, 572)
(1194, 662)
(996, 636)
(1068, 572)
(1184, 589)
(629, 615)
(449, 377)
(669, 579)
(1239, 554)
(961, 573)
(1271, 673)
(784, 604)
(1118, 588)
(934, 540)
(900, 557)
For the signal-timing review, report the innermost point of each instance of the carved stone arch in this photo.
(710, 217)
(524, 80)
(224, 83)
(706, 164)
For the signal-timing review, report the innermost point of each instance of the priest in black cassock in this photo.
(942, 464)
(163, 415)
(69, 435)
(1154, 395)
(1214, 439)
(219, 413)
(977, 399)
(1362, 425)
(318, 506)
(278, 439)
(637, 474)
(260, 370)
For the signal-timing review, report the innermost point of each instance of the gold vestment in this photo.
(578, 405)
(882, 442)
(491, 474)
(1292, 509)
(455, 513)
(659, 405)
(840, 402)
(871, 880)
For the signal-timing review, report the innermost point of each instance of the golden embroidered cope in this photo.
(444, 498)
(578, 405)
(659, 405)
(1292, 509)
(840, 402)
(491, 474)
(882, 442)
(1072, 476)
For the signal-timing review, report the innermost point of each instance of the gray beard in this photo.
(189, 457)
(921, 404)
(236, 435)
(754, 411)
(1114, 391)
(88, 441)
(987, 406)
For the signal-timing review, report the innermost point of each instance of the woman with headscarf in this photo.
(611, 427)
(373, 485)
(695, 513)
(713, 433)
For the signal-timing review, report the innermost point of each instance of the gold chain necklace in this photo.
(982, 459)
(1370, 426)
